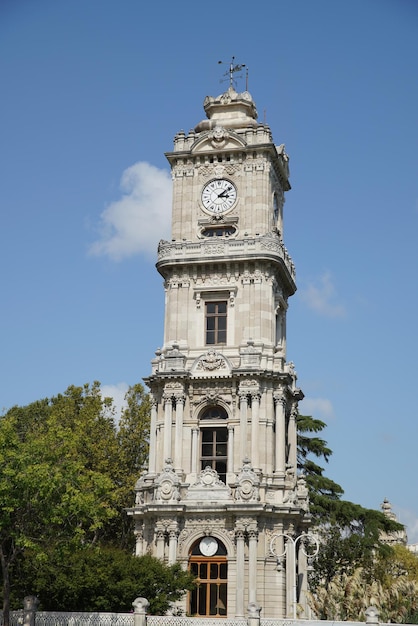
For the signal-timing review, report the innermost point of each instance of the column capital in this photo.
(279, 397)
(239, 534)
(153, 401)
(139, 532)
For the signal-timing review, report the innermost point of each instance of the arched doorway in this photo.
(208, 563)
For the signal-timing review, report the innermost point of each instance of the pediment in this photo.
(218, 138)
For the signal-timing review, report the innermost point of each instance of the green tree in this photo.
(105, 579)
(324, 493)
(349, 533)
(133, 442)
(64, 475)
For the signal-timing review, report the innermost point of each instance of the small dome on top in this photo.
(230, 110)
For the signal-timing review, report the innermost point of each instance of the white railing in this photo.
(180, 620)
(57, 618)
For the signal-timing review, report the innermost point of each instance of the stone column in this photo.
(168, 416)
(160, 536)
(160, 445)
(178, 446)
(303, 576)
(281, 571)
(153, 438)
(280, 442)
(195, 450)
(230, 459)
(139, 539)
(172, 544)
(255, 408)
(290, 579)
(292, 439)
(271, 447)
(240, 539)
(243, 425)
(252, 565)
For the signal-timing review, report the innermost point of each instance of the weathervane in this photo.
(232, 70)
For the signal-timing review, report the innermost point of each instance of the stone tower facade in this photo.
(222, 494)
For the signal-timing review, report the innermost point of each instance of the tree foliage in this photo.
(349, 534)
(389, 583)
(66, 474)
(104, 579)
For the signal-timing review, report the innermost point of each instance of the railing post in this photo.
(372, 615)
(30, 605)
(254, 610)
(140, 611)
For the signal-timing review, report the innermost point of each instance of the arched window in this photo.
(209, 565)
(214, 413)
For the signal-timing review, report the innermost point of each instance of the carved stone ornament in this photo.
(218, 137)
(248, 484)
(210, 361)
(208, 477)
(302, 493)
(208, 487)
(212, 397)
(167, 484)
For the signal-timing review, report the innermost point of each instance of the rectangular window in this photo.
(214, 450)
(216, 323)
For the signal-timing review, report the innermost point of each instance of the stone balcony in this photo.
(265, 247)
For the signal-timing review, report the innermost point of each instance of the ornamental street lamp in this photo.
(308, 544)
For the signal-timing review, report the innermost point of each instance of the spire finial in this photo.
(232, 70)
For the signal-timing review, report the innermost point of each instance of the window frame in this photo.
(215, 460)
(219, 320)
(203, 569)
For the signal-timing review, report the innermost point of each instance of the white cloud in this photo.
(117, 392)
(321, 297)
(140, 218)
(319, 408)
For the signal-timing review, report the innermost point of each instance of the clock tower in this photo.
(222, 494)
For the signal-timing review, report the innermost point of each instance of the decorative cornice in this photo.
(266, 247)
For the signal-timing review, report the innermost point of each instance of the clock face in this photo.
(219, 195)
(208, 546)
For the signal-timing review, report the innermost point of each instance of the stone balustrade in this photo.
(267, 246)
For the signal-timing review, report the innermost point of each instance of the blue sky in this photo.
(93, 92)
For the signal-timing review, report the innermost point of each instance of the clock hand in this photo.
(224, 194)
